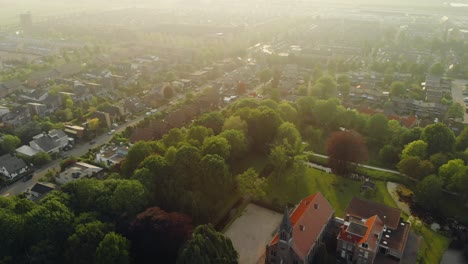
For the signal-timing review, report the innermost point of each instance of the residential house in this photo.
(37, 109)
(111, 155)
(371, 232)
(49, 143)
(39, 78)
(39, 190)
(74, 131)
(116, 112)
(407, 106)
(77, 171)
(301, 232)
(16, 117)
(12, 167)
(436, 87)
(61, 137)
(33, 95)
(104, 118)
(9, 87)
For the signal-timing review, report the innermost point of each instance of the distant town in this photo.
(235, 132)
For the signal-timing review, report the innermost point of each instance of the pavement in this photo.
(252, 231)
(458, 85)
(360, 165)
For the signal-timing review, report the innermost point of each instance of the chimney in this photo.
(316, 206)
(302, 227)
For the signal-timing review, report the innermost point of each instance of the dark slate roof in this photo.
(357, 229)
(41, 188)
(12, 163)
(365, 209)
(46, 143)
(57, 133)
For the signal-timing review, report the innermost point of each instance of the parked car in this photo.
(92, 142)
(27, 178)
(111, 132)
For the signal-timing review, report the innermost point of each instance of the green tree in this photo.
(82, 244)
(251, 185)
(462, 140)
(136, 154)
(197, 134)
(429, 192)
(287, 112)
(437, 69)
(397, 89)
(236, 123)
(389, 154)
(41, 158)
(9, 143)
(416, 148)
(290, 138)
(213, 120)
(263, 124)
(456, 111)
(279, 160)
(265, 75)
(439, 138)
(52, 220)
(215, 178)
(113, 249)
(324, 88)
(449, 169)
(217, 145)
(174, 137)
(208, 247)
(128, 197)
(377, 128)
(237, 141)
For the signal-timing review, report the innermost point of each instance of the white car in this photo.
(111, 132)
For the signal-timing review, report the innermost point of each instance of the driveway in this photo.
(252, 231)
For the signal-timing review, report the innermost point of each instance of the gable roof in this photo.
(367, 232)
(46, 143)
(12, 163)
(57, 133)
(308, 219)
(364, 209)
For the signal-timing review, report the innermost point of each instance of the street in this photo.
(79, 150)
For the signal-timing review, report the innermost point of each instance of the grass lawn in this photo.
(338, 190)
(433, 245)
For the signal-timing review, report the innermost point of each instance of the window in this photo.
(366, 254)
(350, 246)
(343, 253)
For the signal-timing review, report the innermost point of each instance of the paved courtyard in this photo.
(252, 231)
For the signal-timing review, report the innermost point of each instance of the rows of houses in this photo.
(369, 233)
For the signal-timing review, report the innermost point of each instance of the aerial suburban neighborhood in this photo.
(206, 132)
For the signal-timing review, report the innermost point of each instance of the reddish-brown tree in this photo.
(345, 149)
(157, 235)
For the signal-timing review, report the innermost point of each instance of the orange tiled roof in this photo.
(308, 219)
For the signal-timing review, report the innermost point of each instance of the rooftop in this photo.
(308, 220)
(364, 209)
